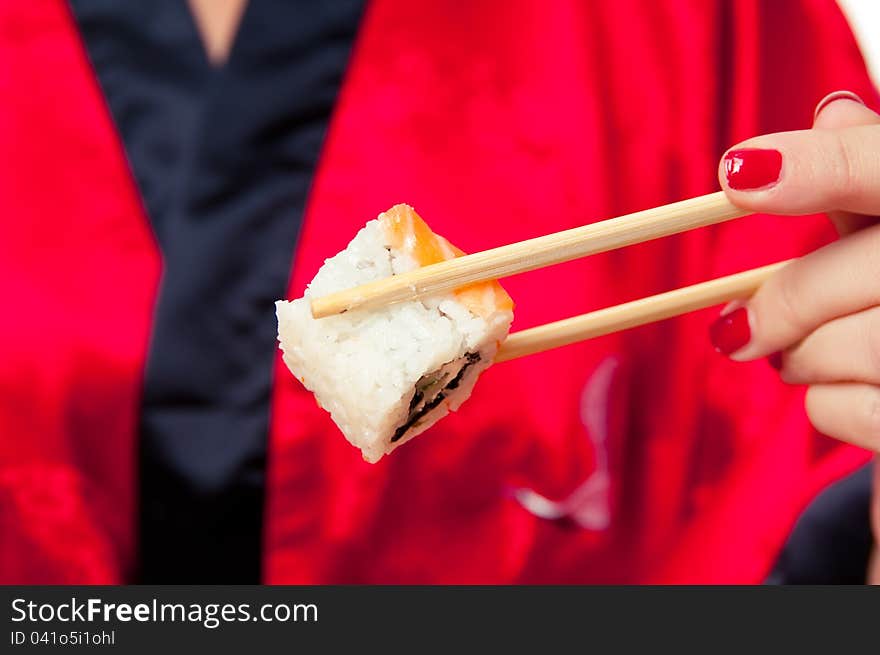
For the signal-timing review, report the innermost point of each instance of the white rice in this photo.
(363, 366)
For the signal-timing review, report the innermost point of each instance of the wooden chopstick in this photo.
(635, 313)
(534, 253)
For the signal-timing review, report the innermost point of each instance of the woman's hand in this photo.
(818, 319)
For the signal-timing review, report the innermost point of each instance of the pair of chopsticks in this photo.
(562, 247)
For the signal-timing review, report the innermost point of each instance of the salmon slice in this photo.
(407, 231)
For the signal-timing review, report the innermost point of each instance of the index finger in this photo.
(806, 172)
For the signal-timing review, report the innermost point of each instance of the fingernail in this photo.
(775, 360)
(752, 168)
(731, 332)
(836, 95)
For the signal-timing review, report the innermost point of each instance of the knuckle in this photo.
(843, 168)
(789, 307)
(850, 413)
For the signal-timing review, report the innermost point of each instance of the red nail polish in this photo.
(752, 168)
(731, 332)
(775, 360)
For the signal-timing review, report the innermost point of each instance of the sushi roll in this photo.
(388, 375)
